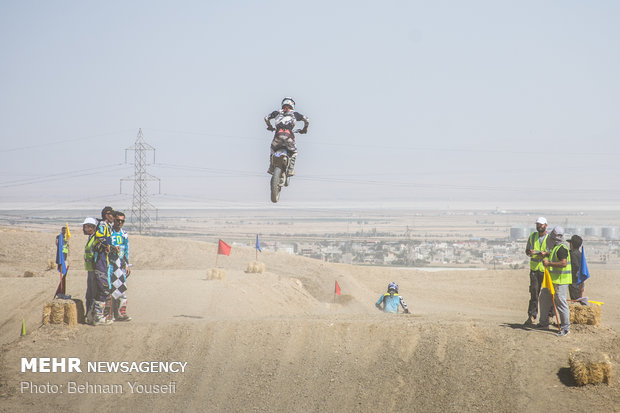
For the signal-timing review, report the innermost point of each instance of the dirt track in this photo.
(278, 342)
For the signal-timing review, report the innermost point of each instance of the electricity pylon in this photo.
(141, 207)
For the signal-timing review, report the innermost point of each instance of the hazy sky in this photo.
(498, 103)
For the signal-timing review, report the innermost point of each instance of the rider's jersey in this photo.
(390, 303)
(102, 238)
(121, 239)
(286, 120)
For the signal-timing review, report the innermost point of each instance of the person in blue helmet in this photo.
(388, 302)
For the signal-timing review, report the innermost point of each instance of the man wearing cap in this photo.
(120, 267)
(559, 265)
(576, 288)
(536, 249)
(89, 226)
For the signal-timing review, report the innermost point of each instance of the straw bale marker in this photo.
(589, 367)
(216, 274)
(256, 267)
(585, 314)
(60, 312)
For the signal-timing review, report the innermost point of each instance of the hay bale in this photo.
(585, 314)
(47, 312)
(70, 314)
(589, 367)
(256, 267)
(216, 274)
(60, 312)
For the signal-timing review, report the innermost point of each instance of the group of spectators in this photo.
(106, 259)
(549, 251)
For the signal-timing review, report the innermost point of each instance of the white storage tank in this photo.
(609, 232)
(519, 233)
(592, 232)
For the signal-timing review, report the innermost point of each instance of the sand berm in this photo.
(280, 342)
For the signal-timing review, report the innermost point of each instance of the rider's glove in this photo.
(303, 131)
(271, 128)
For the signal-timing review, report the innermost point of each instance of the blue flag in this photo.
(60, 258)
(583, 273)
(258, 244)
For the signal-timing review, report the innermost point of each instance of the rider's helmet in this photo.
(393, 287)
(288, 101)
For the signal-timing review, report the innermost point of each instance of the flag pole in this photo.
(548, 284)
(256, 247)
(555, 309)
(336, 290)
(557, 317)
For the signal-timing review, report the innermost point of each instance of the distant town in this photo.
(474, 253)
(465, 239)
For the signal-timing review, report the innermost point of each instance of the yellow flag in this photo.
(68, 233)
(547, 282)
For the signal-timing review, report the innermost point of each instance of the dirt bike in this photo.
(280, 162)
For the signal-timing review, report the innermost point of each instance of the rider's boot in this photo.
(99, 318)
(270, 170)
(120, 309)
(291, 166)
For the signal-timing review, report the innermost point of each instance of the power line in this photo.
(62, 175)
(372, 182)
(335, 142)
(40, 145)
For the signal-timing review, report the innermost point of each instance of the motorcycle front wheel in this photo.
(276, 186)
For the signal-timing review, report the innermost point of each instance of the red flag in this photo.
(337, 288)
(223, 248)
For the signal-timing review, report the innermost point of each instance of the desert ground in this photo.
(281, 341)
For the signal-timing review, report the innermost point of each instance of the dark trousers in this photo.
(536, 279)
(102, 288)
(575, 291)
(91, 288)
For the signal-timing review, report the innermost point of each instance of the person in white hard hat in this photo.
(536, 249)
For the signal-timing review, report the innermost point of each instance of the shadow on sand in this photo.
(519, 326)
(566, 377)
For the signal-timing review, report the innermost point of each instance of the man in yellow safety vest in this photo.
(536, 249)
(559, 265)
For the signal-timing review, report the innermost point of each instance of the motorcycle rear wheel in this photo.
(276, 185)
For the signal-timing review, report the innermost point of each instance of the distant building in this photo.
(519, 233)
(610, 233)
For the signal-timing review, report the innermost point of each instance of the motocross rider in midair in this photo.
(285, 120)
